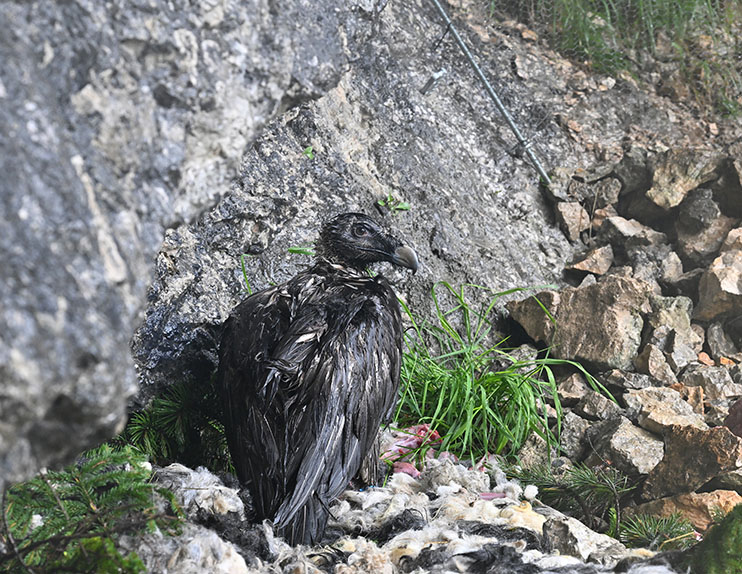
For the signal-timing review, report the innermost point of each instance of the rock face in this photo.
(120, 119)
(372, 136)
(609, 339)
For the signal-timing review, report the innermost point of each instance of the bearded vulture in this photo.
(308, 371)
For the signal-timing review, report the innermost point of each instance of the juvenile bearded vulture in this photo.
(308, 370)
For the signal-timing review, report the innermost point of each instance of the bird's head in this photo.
(356, 240)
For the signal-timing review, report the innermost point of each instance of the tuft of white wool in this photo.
(366, 558)
(402, 482)
(374, 507)
(446, 473)
(524, 516)
(200, 489)
(649, 569)
(447, 490)
(530, 492)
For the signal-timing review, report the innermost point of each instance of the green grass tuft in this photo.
(477, 395)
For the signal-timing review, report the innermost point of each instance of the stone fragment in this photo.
(634, 171)
(572, 218)
(717, 410)
(629, 448)
(596, 261)
(673, 313)
(572, 389)
(658, 408)
(600, 215)
(625, 380)
(698, 508)
(595, 406)
(678, 171)
(678, 353)
(698, 212)
(733, 240)
(720, 344)
(730, 480)
(651, 361)
(599, 325)
(572, 439)
(698, 249)
(701, 334)
(685, 284)
(567, 535)
(654, 263)
(692, 458)
(595, 174)
(606, 191)
(624, 234)
(692, 395)
(720, 287)
(717, 383)
(734, 419)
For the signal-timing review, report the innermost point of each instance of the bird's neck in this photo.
(340, 268)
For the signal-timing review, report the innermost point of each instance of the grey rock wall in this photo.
(119, 120)
(476, 215)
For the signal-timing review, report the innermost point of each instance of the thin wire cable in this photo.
(495, 98)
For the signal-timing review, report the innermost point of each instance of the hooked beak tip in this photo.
(406, 257)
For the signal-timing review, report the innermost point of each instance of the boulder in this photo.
(596, 261)
(678, 171)
(657, 409)
(572, 218)
(373, 135)
(121, 120)
(692, 457)
(700, 508)
(630, 449)
(609, 339)
(717, 382)
(720, 287)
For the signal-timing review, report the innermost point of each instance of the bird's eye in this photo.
(361, 230)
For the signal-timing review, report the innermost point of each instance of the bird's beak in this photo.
(405, 257)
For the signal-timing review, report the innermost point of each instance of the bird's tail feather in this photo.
(307, 525)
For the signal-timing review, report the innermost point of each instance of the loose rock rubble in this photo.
(657, 325)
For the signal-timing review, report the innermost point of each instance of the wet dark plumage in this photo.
(308, 370)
